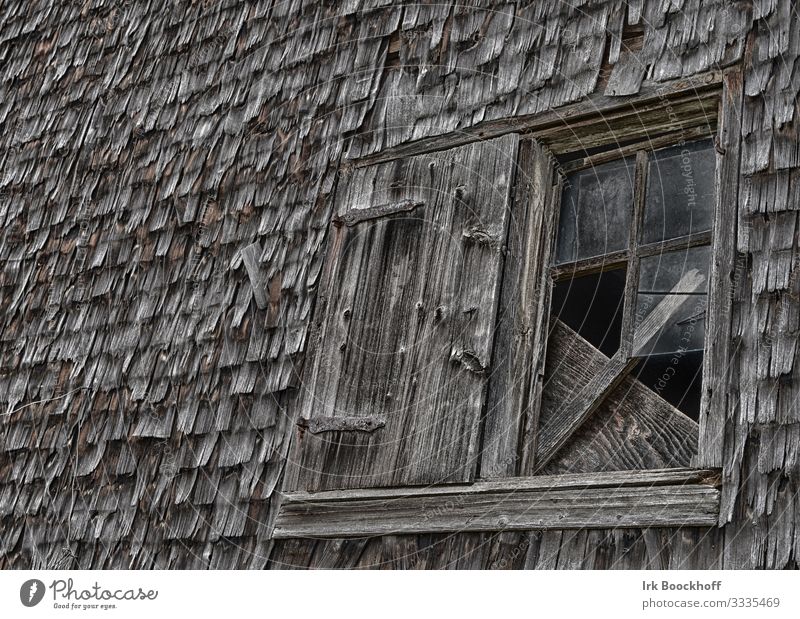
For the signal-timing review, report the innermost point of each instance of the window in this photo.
(498, 346)
(630, 277)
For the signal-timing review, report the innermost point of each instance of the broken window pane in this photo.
(592, 306)
(672, 285)
(595, 211)
(680, 191)
(676, 379)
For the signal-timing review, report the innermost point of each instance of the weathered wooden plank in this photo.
(406, 321)
(688, 112)
(581, 401)
(632, 273)
(716, 360)
(679, 497)
(650, 142)
(605, 479)
(251, 255)
(554, 126)
(530, 436)
(633, 428)
(521, 332)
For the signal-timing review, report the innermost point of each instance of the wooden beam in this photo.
(652, 143)
(617, 126)
(716, 360)
(521, 333)
(586, 400)
(665, 498)
(554, 127)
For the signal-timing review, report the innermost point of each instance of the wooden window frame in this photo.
(587, 400)
(509, 496)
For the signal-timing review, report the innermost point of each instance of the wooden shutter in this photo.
(404, 324)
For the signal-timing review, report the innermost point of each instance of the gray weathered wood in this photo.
(251, 256)
(584, 400)
(554, 127)
(522, 316)
(716, 360)
(406, 321)
(627, 76)
(649, 141)
(317, 425)
(633, 428)
(680, 497)
(626, 345)
(357, 215)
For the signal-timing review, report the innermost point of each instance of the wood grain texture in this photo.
(251, 257)
(694, 95)
(716, 399)
(521, 336)
(679, 497)
(125, 321)
(406, 320)
(592, 549)
(581, 400)
(633, 428)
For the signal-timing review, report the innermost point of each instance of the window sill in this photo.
(629, 499)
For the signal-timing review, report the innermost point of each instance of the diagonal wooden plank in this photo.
(250, 257)
(586, 400)
(632, 429)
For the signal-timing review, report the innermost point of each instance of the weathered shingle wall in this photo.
(143, 144)
(762, 442)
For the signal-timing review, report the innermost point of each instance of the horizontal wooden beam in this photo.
(664, 498)
(565, 129)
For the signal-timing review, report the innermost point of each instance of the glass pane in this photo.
(659, 279)
(595, 211)
(680, 191)
(592, 305)
(678, 380)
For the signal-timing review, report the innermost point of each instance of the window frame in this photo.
(713, 97)
(622, 363)
(722, 239)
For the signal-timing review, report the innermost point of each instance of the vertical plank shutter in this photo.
(405, 319)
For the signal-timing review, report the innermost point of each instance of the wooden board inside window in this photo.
(405, 321)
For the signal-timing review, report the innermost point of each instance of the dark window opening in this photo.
(676, 377)
(592, 305)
